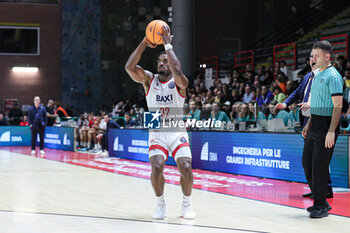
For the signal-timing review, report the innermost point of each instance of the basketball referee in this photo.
(322, 129)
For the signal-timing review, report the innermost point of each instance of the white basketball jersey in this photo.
(165, 97)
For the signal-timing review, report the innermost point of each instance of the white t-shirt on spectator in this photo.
(103, 125)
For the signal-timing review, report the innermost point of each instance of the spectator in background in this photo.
(248, 96)
(37, 118)
(194, 113)
(254, 112)
(307, 68)
(199, 106)
(265, 97)
(219, 97)
(290, 88)
(277, 114)
(236, 108)
(15, 115)
(24, 122)
(3, 121)
(241, 90)
(51, 116)
(284, 68)
(110, 125)
(347, 78)
(210, 98)
(83, 125)
(281, 82)
(205, 114)
(294, 112)
(279, 96)
(119, 109)
(268, 78)
(128, 121)
(243, 115)
(227, 108)
(234, 96)
(341, 64)
(346, 95)
(218, 115)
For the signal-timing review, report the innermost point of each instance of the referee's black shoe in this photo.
(329, 195)
(313, 208)
(307, 194)
(319, 213)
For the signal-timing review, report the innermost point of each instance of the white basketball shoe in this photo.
(161, 210)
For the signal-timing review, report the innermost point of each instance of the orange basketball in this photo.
(152, 29)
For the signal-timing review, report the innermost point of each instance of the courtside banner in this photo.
(15, 136)
(276, 156)
(131, 144)
(60, 138)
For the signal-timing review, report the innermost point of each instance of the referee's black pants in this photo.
(38, 129)
(316, 158)
(329, 183)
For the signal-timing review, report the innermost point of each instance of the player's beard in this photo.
(162, 72)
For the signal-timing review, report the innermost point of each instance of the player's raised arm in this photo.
(136, 72)
(174, 63)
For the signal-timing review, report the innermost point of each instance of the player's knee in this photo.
(186, 169)
(157, 168)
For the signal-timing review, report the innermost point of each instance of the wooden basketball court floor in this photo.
(74, 192)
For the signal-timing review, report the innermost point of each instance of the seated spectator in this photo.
(277, 114)
(236, 108)
(128, 122)
(234, 96)
(241, 90)
(218, 115)
(3, 121)
(205, 114)
(92, 132)
(194, 113)
(346, 95)
(219, 97)
(267, 78)
(243, 115)
(281, 82)
(119, 109)
(254, 112)
(227, 108)
(102, 127)
(83, 128)
(347, 78)
(248, 96)
(15, 115)
(210, 97)
(110, 125)
(265, 97)
(284, 68)
(24, 122)
(199, 106)
(290, 87)
(279, 96)
(294, 112)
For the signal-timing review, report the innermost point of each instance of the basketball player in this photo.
(166, 93)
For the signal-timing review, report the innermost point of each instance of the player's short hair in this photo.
(161, 53)
(324, 45)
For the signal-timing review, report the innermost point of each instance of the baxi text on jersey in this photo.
(165, 98)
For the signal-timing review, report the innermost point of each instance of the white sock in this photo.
(161, 199)
(187, 199)
(88, 145)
